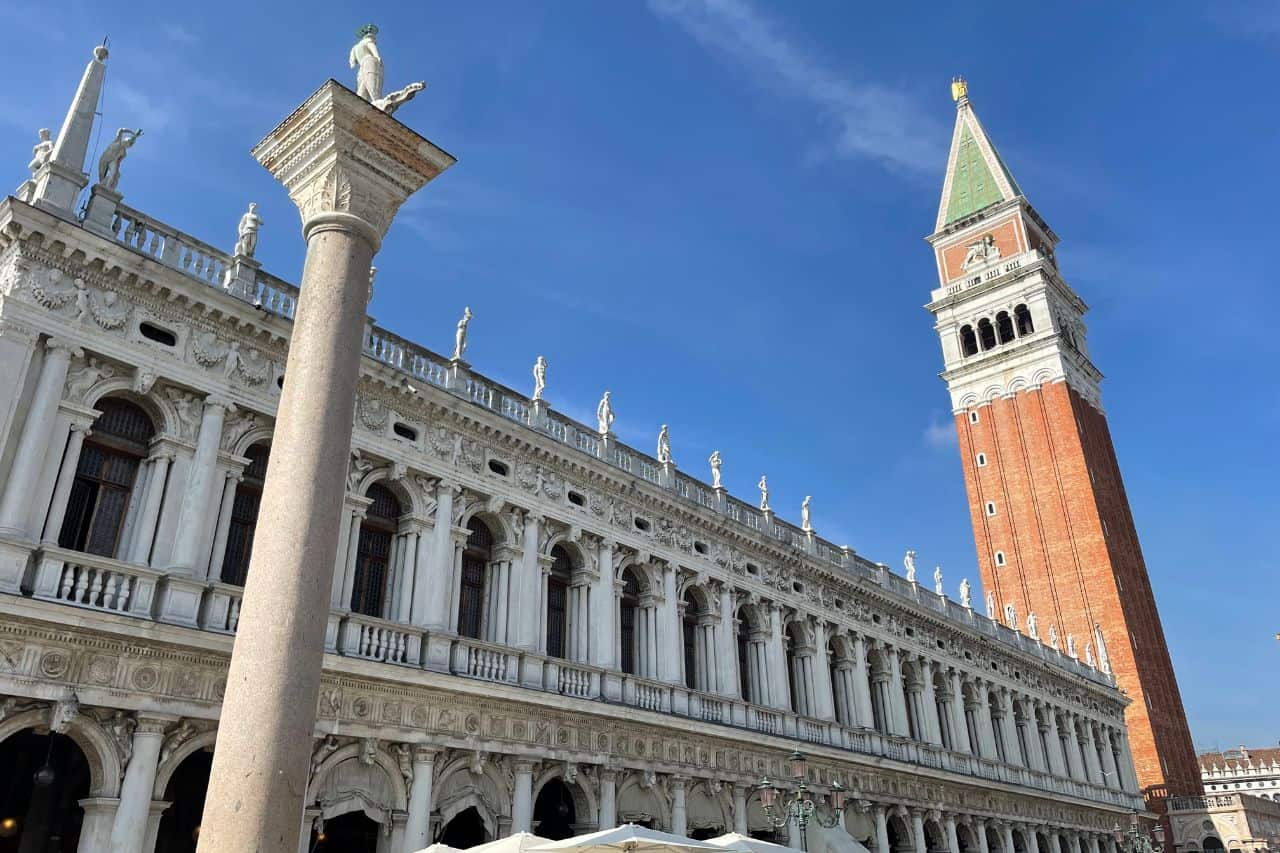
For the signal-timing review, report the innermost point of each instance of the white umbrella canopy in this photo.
(747, 844)
(517, 842)
(439, 848)
(629, 838)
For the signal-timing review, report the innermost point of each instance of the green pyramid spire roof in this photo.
(976, 176)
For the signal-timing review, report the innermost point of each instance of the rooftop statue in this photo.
(113, 157)
(1104, 660)
(991, 605)
(715, 469)
(247, 243)
(664, 446)
(604, 414)
(41, 152)
(1053, 637)
(937, 580)
(539, 377)
(763, 485)
(1032, 632)
(909, 564)
(966, 593)
(1011, 616)
(364, 56)
(460, 336)
(806, 520)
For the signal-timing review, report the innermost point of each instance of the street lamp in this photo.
(780, 810)
(1134, 840)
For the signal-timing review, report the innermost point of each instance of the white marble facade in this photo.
(518, 601)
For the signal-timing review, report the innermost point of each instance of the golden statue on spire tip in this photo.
(959, 89)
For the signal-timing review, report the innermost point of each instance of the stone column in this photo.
(348, 166)
(824, 699)
(528, 616)
(1056, 760)
(32, 446)
(777, 668)
(1110, 774)
(1009, 729)
(959, 725)
(862, 684)
(978, 826)
(608, 803)
(740, 809)
(194, 515)
(62, 489)
(1033, 840)
(1055, 843)
(1006, 836)
(882, 830)
(129, 830)
(727, 648)
(929, 699)
(435, 594)
(679, 814)
(917, 831)
(897, 696)
(603, 611)
(522, 798)
(1093, 773)
(219, 552)
(953, 840)
(986, 731)
(417, 830)
(95, 830)
(153, 500)
(352, 556)
(670, 652)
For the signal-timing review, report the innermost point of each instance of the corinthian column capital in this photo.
(348, 164)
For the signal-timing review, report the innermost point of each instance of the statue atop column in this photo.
(1032, 632)
(909, 564)
(1011, 616)
(604, 414)
(1053, 637)
(937, 580)
(539, 377)
(763, 486)
(806, 519)
(460, 336)
(112, 158)
(247, 240)
(991, 606)
(715, 461)
(966, 594)
(1071, 646)
(365, 58)
(664, 446)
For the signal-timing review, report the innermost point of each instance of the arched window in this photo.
(244, 516)
(475, 564)
(743, 638)
(1004, 327)
(373, 554)
(628, 604)
(689, 622)
(986, 334)
(558, 602)
(968, 341)
(106, 475)
(1022, 318)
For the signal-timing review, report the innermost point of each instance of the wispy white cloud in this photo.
(867, 120)
(940, 434)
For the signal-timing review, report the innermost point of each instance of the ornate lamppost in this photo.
(1134, 840)
(780, 810)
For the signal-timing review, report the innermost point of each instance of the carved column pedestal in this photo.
(348, 167)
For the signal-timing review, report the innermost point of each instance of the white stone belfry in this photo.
(62, 177)
(348, 167)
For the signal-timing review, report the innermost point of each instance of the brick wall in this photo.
(1072, 556)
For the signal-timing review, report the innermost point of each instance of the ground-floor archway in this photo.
(554, 813)
(180, 824)
(353, 832)
(465, 830)
(43, 779)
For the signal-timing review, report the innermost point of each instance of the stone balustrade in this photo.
(97, 583)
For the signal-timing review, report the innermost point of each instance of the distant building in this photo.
(1246, 771)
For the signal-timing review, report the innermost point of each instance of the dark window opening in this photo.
(627, 607)
(404, 431)
(577, 499)
(689, 623)
(642, 524)
(106, 473)
(499, 468)
(1022, 316)
(373, 552)
(244, 517)
(1004, 326)
(475, 563)
(159, 335)
(986, 334)
(968, 341)
(558, 602)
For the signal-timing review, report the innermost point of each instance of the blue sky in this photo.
(715, 209)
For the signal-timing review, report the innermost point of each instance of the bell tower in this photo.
(1051, 521)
